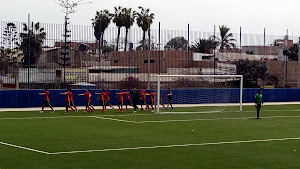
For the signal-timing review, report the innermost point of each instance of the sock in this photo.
(72, 108)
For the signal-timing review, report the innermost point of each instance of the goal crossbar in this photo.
(212, 76)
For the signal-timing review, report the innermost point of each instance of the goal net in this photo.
(180, 94)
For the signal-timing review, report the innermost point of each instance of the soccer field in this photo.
(227, 140)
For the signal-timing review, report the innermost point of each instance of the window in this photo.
(249, 52)
(151, 61)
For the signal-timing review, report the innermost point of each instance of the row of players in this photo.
(104, 98)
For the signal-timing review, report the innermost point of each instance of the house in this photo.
(276, 49)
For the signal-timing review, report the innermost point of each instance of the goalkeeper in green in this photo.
(258, 102)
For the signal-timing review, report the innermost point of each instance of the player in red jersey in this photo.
(151, 99)
(46, 101)
(69, 100)
(88, 99)
(72, 99)
(121, 100)
(128, 99)
(143, 99)
(107, 99)
(102, 99)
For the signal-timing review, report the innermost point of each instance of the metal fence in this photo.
(47, 61)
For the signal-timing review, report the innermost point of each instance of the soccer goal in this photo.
(180, 94)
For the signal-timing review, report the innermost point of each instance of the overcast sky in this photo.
(252, 15)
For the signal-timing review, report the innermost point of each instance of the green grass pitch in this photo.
(227, 140)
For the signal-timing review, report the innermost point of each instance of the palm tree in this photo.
(129, 17)
(105, 18)
(144, 20)
(119, 21)
(203, 46)
(37, 36)
(226, 40)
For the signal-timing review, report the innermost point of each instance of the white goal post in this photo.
(159, 80)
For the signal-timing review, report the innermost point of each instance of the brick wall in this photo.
(174, 59)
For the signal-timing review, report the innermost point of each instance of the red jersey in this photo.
(47, 98)
(69, 97)
(72, 99)
(151, 97)
(102, 96)
(107, 97)
(121, 95)
(143, 94)
(127, 96)
(88, 97)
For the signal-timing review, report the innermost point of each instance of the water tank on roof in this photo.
(83, 47)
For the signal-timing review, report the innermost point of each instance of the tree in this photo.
(177, 43)
(292, 53)
(252, 70)
(144, 21)
(226, 40)
(107, 48)
(146, 45)
(119, 21)
(9, 35)
(105, 18)
(203, 46)
(129, 17)
(36, 36)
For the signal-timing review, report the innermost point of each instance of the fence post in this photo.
(188, 49)
(240, 68)
(28, 85)
(188, 55)
(264, 62)
(99, 52)
(65, 48)
(286, 58)
(158, 48)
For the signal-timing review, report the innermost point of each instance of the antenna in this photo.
(70, 6)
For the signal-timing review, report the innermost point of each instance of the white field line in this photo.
(171, 146)
(105, 118)
(213, 119)
(25, 148)
(33, 118)
(140, 122)
(175, 105)
(150, 147)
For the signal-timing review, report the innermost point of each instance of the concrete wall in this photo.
(30, 98)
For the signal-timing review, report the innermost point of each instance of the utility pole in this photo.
(69, 7)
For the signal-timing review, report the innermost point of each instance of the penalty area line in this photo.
(213, 119)
(172, 146)
(55, 117)
(25, 148)
(112, 119)
(148, 147)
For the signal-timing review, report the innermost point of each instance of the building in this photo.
(276, 49)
